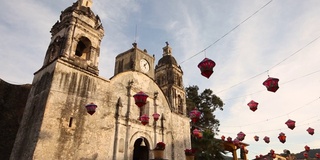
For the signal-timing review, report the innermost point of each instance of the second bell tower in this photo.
(76, 37)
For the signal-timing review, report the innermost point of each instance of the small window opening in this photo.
(70, 122)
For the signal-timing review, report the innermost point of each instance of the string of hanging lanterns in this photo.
(140, 99)
(234, 28)
(285, 114)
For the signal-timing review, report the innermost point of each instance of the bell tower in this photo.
(135, 59)
(53, 120)
(168, 75)
(76, 37)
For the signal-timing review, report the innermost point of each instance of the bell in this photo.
(142, 142)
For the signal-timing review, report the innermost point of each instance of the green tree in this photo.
(208, 148)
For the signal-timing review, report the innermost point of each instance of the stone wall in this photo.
(12, 103)
(56, 124)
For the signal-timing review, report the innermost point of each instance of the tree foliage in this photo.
(207, 147)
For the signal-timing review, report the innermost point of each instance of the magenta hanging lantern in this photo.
(291, 124)
(140, 99)
(195, 114)
(282, 137)
(256, 138)
(206, 67)
(271, 151)
(317, 155)
(266, 139)
(241, 136)
(236, 141)
(156, 116)
(229, 139)
(144, 119)
(307, 148)
(253, 105)
(196, 132)
(310, 131)
(271, 84)
(223, 137)
(91, 108)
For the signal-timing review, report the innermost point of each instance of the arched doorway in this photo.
(141, 149)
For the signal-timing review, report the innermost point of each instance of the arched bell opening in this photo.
(83, 48)
(141, 149)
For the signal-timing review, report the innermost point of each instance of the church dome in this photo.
(167, 59)
(82, 10)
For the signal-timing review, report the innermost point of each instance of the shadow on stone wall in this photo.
(13, 99)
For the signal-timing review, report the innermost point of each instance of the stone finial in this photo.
(166, 50)
(85, 3)
(134, 44)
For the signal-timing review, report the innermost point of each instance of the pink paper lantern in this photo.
(156, 116)
(144, 119)
(236, 141)
(307, 148)
(140, 99)
(266, 139)
(91, 108)
(282, 137)
(271, 84)
(253, 105)
(196, 132)
(195, 115)
(241, 136)
(206, 67)
(310, 130)
(291, 124)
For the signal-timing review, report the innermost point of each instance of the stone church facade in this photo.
(55, 123)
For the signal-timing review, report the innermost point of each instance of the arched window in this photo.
(83, 48)
(180, 104)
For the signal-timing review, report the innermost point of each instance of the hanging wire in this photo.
(234, 28)
(303, 47)
(296, 52)
(282, 84)
(250, 124)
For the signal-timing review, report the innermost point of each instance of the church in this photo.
(56, 123)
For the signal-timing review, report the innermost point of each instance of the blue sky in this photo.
(280, 40)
